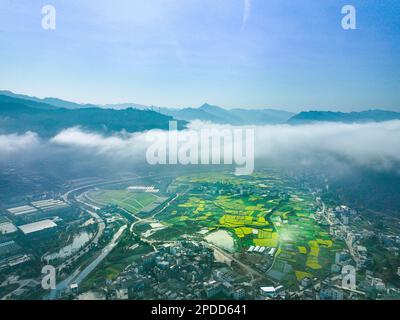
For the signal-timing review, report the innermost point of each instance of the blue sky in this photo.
(287, 54)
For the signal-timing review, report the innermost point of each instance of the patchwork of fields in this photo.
(264, 210)
(267, 211)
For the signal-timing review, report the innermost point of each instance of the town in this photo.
(192, 237)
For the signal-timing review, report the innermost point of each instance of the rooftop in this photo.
(37, 226)
(268, 289)
(22, 210)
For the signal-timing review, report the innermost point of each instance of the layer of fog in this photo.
(13, 143)
(371, 145)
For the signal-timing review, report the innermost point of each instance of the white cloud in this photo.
(118, 146)
(246, 12)
(374, 145)
(11, 143)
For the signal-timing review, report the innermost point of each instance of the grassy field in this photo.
(128, 200)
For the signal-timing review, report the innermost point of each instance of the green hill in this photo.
(236, 116)
(350, 117)
(20, 115)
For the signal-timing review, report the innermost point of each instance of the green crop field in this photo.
(128, 200)
(266, 209)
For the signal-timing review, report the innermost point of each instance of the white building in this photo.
(39, 226)
(268, 291)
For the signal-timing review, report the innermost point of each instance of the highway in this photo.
(247, 268)
(104, 253)
(79, 275)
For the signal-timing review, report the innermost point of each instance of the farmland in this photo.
(263, 210)
(130, 201)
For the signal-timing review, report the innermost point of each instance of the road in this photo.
(21, 283)
(349, 245)
(78, 278)
(104, 253)
(249, 269)
(94, 241)
(79, 275)
(66, 195)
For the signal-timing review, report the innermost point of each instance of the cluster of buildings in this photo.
(36, 210)
(341, 222)
(344, 225)
(184, 270)
(175, 271)
(390, 242)
(221, 188)
(260, 249)
(24, 223)
(330, 288)
(34, 219)
(179, 271)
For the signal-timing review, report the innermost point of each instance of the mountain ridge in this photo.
(215, 114)
(373, 115)
(56, 102)
(236, 116)
(20, 115)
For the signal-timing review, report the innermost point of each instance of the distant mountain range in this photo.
(216, 114)
(351, 117)
(206, 112)
(122, 106)
(232, 116)
(20, 115)
(55, 102)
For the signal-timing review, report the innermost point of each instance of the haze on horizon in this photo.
(232, 53)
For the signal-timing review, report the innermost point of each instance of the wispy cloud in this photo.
(246, 12)
(11, 143)
(121, 147)
(372, 145)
